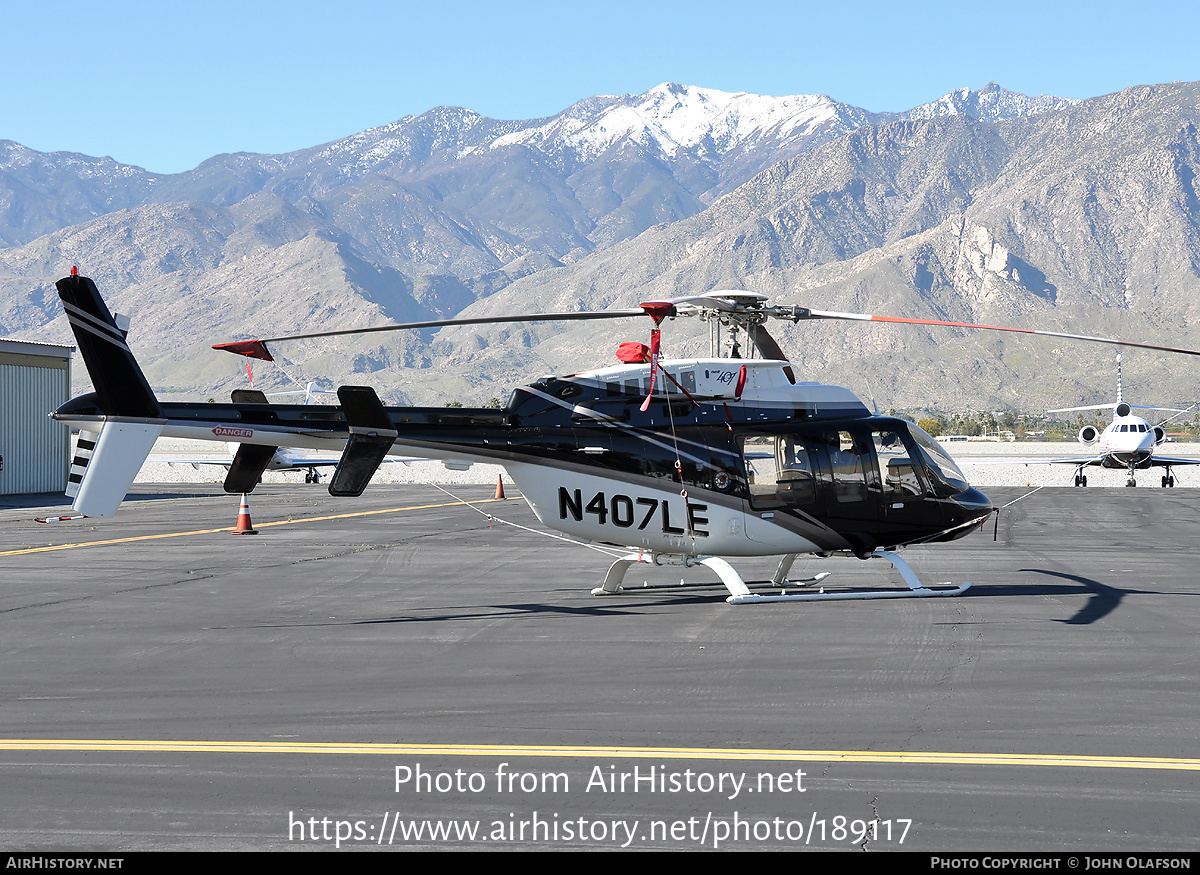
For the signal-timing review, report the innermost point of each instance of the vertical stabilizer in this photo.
(121, 387)
(116, 460)
(110, 453)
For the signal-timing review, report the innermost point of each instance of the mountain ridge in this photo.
(1057, 212)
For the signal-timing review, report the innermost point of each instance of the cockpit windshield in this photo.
(941, 467)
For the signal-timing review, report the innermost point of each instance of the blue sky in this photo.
(165, 85)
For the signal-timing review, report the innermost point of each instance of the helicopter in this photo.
(679, 462)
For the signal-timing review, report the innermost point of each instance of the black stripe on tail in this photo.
(121, 387)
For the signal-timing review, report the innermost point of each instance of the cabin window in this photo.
(849, 459)
(779, 471)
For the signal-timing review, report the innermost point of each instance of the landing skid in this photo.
(739, 590)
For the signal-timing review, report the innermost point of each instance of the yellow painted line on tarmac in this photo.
(570, 752)
(313, 519)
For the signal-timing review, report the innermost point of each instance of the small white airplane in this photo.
(284, 459)
(1128, 442)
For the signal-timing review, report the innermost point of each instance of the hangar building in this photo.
(35, 379)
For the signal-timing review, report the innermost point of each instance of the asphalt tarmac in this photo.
(400, 671)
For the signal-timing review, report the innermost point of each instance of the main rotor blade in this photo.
(257, 348)
(803, 313)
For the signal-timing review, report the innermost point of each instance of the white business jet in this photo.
(1129, 442)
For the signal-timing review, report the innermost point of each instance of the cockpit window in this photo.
(948, 479)
(897, 472)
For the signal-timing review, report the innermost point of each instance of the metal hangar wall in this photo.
(35, 379)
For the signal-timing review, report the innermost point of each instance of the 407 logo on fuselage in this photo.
(628, 512)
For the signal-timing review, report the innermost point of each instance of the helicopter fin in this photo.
(248, 465)
(121, 387)
(371, 436)
(248, 396)
(131, 419)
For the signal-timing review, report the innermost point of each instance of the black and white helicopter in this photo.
(1129, 442)
(680, 462)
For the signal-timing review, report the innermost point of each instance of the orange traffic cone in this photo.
(499, 496)
(244, 526)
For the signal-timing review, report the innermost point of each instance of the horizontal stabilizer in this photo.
(247, 469)
(1114, 405)
(248, 396)
(371, 436)
(116, 460)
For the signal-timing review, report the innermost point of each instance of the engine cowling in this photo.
(1160, 435)
(1088, 435)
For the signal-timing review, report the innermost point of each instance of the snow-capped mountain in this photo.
(980, 201)
(992, 103)
(672, 121)
(674, 118)
(602, 170)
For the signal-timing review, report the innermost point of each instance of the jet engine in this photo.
(1088, 435)
(1160, 435)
